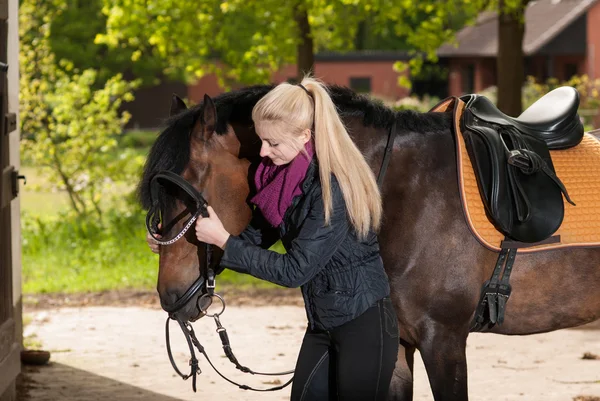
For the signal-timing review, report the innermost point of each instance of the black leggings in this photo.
(354, 361)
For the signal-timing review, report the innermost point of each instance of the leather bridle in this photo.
(153, 218)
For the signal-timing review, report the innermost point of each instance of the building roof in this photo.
(544, 20)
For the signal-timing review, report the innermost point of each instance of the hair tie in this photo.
(305, 90)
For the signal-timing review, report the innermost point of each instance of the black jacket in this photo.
(340, 276)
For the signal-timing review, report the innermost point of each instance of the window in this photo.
(360, 84)
(570, 71)
(468, 78)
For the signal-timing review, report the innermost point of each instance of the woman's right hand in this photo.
(154, 247)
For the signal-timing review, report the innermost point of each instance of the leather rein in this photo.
(153, 218)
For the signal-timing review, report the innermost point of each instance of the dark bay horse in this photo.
(435, 265)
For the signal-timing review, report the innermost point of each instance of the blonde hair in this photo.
(290, 111)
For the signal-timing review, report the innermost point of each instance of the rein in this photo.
(192, 340)
(152, 220)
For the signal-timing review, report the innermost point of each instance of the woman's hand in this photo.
(154, 247)
(210, 229)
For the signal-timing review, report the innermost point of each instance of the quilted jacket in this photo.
(340, 276)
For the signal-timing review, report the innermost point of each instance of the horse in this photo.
(435, 265)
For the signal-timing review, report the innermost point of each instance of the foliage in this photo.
(67, 127)
(589, 94)
(73, 29)
(67, 254)
(251, 40)
(421, 105)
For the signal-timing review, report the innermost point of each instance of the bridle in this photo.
(152, 220)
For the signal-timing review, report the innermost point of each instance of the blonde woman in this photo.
(322, 197)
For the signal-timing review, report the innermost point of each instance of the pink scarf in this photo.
(276, 186)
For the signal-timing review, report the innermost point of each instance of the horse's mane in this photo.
(171, 149)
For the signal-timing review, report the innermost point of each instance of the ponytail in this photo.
(338, 155)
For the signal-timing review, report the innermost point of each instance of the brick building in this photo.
(562, 39)
(365, 71)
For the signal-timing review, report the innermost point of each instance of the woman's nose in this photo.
(264, 150)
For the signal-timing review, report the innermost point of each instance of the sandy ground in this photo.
(118, 353)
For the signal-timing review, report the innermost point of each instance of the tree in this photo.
(246, 41)
(510, 59)
(69, 128)
(73, 29)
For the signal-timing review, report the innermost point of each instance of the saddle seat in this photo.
(553, 118)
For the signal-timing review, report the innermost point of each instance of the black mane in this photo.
(172, 148)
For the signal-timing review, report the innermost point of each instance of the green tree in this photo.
(245, 41)
(73, 29)
(67, 127)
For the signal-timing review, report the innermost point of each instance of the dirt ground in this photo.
(111, 347)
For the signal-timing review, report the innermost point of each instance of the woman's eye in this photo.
(274, 144)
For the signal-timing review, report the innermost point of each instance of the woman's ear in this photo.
(306, 135)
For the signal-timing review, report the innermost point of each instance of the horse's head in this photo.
(209, 161)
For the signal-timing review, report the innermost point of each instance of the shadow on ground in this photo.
(590, 326)
(56, 381)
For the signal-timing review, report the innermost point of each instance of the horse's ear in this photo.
(177, 105)
(205, 126)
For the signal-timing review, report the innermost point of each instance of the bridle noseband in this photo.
(153, 218)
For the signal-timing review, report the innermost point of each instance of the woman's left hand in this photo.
(210, 229)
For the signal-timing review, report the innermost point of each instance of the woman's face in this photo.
(281, 152)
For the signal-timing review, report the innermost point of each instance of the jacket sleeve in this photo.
(263, 237)
(308, 253)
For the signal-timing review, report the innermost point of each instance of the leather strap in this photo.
(387, 154)
(495, 293)
(192, 341)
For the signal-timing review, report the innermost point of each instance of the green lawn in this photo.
(39, 202)
(64, 255)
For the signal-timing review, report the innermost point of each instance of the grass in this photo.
(62, 254)
(37, 201)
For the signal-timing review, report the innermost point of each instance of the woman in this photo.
(322, 198)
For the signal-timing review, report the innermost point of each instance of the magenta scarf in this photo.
(276, 186)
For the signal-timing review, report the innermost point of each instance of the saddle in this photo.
(511, 195)
(521, 192)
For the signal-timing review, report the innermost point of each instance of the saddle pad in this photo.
(577, 167)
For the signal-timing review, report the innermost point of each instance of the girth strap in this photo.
(495, 293)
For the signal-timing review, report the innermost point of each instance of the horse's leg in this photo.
(444, 355)
(401, 387)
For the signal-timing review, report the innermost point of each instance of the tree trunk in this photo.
(305, 58)
(510, 61)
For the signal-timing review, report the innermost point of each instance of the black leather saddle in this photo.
(516, 178)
